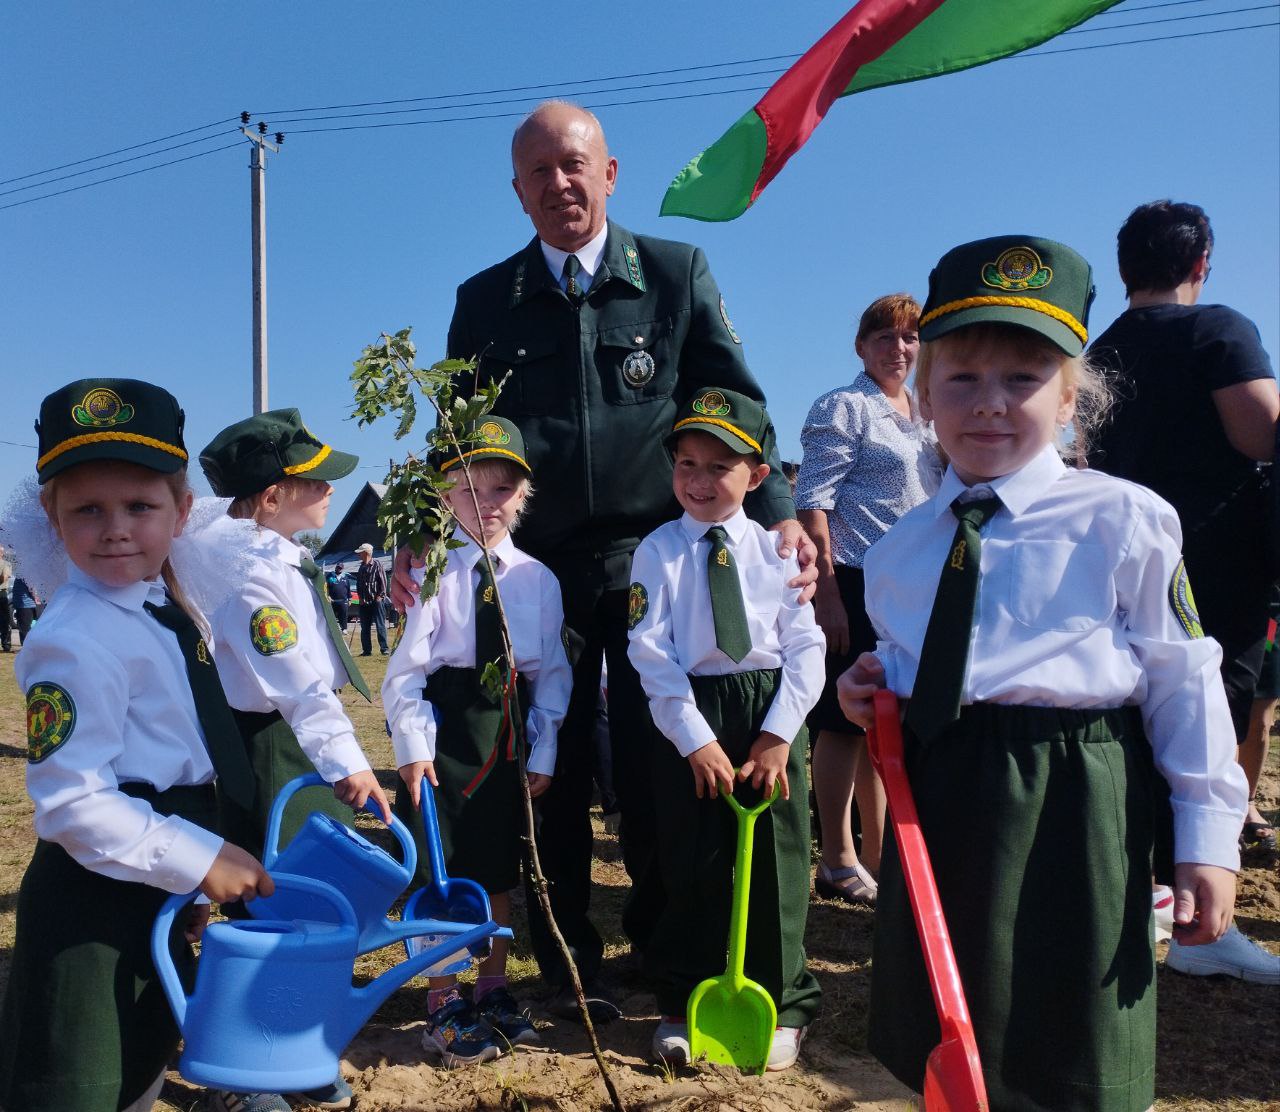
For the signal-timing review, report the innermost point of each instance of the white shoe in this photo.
(786, 1048)
(671, 1042)
(1162, 913)
(1233, 955)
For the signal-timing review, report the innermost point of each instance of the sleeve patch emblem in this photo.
(1183, 602)
(272, 630)
(51, 716)
(724, 316)
(637, 605)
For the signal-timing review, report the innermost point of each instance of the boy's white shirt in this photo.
(299, 681)
(1074, 610)
(675, 635)
(133, 718)
(440, 633)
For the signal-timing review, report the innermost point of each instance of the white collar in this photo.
(280, 547)
(505, 550)
(1016, 491)
(129, 597)
(736, 526)
(588, 255)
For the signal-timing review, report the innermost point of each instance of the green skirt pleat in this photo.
(697, 842)
(85, 1025)
(481, 829)
(1039, 824)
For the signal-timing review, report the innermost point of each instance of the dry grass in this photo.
(1218, 1038)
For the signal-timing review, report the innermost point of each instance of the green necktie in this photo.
(570, 275)
(315, 576)
(488, 619)
(727, 611)
(935, 702)
(221, 735)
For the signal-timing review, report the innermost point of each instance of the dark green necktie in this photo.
(221, 735)
(727, 611)
(488, 620)
(570, 274)
(935, 702)
(315, 576)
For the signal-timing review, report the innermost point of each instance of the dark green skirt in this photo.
(1039, 823)
(85, 1025)
(478, 802)
(697, 843)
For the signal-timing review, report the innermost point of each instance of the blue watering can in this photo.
(367, 876)
(273, 1006)
(453, 900)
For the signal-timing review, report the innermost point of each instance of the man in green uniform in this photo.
(604, 333)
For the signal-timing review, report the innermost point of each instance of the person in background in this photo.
(371, 586)
(339, 588)
(6, 612)
(26, 603)
(868, 458)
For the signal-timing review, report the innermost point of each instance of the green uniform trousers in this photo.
(85, 1025)
(1039, 823)
(697, 841)
(478, 802)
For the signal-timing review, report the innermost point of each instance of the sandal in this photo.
(853, 885)
(1258, 836)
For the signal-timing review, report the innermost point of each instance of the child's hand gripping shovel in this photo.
(953, 1075)
(732, 1019)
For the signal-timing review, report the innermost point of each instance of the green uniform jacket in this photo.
(592, 407)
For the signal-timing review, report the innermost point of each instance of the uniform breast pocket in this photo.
(762, 593)
(637, 362)
(540, 381)
(1060, 586)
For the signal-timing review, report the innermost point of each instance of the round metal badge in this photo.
(638, 368)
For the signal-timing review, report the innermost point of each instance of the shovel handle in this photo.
(884, 742)
(759, 808)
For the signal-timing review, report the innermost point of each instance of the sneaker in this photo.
(671, 1041)
(336, 1096)
(455, 1036)
(1233, 955)
(245, 1102)
(1161, 913)
(786, 1048)
(509, 1022)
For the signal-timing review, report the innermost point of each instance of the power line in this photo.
(121, 150)
(1168, 19)
(1158, 38)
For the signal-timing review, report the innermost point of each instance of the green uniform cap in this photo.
(493, 438)
(109, 418)
(733, 418)
(1024, 280)
(250, 455)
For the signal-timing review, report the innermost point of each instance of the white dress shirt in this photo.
(134, 719)
(676, 637)
(588, 258)
(299, 681)
(1074, 610)
(441, 632)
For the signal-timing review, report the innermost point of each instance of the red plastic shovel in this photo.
(953, 1075)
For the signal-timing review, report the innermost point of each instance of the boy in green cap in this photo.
(283, 655)
(445, 726)
(731, 662)
(1040, 620)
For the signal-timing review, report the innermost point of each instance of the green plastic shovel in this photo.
(731, 1019)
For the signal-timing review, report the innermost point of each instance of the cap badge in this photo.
(1018, 268)
(711, 404)
(101, 409)
(638, 368)
(493, 433)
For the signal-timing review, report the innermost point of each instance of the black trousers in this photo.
(597, 615)
(371, 614)
(6, 622)
(25, 616)
(341, 611)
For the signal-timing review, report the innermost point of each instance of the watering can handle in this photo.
(163, 926)
(271, 849)
(431, 825)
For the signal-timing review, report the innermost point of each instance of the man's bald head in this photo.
(554, 115)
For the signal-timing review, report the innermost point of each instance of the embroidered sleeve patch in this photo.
(51, 716)
(1183, 602)
(272, 630)
(724, 316)
(637, 605)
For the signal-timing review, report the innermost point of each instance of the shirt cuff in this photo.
(692, 734)
(783, 722)
(341, 757)
(188, 858)
(413, 746)
(1206, 837)
(542, 759)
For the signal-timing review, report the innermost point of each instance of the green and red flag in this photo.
(878, 42)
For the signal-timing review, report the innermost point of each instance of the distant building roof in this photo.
(359, 525)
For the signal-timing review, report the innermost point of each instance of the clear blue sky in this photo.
(373, 229)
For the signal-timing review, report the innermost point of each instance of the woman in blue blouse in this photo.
(868, 458)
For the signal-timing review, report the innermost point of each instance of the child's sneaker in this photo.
(509, 1022)
(336, 1096)
(786, 1048)
(671, 1041)
(1233, 955)
(245, 1102)
(456, 1037)
(1161, 913)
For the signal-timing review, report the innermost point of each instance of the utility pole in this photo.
(258, 196)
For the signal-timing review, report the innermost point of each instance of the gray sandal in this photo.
(852, 885)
